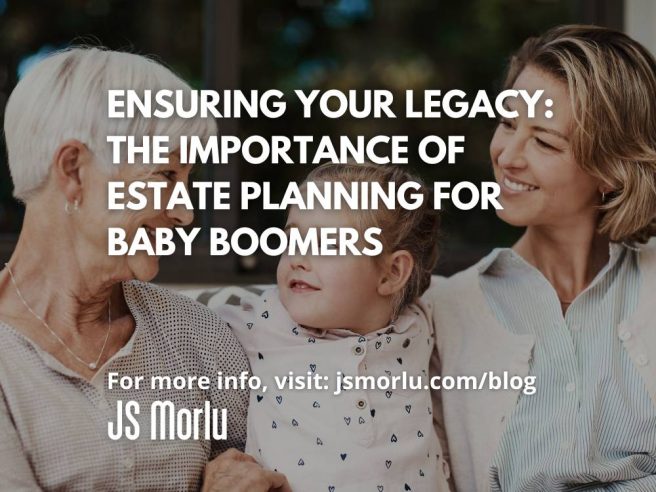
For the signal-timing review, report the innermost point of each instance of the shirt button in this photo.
(103, 405)
(576, 327)
(358, 350)
(445, 469)
(570, 387)
(127, 463)
(565, 445)
(361, 404)
(624, 335)
(642, 360)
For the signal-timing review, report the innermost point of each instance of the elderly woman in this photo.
(572, 302)
(70, 314)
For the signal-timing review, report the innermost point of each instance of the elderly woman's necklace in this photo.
(90, 365)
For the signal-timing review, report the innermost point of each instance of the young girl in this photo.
(335, 317)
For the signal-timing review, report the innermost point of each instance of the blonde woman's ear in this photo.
(604, 191)
(396, 272)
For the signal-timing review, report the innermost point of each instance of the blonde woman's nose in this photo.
(512, 153)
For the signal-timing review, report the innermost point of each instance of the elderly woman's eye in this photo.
(168, 175)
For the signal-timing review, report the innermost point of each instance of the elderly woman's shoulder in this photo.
(171, 310)
(170, 319)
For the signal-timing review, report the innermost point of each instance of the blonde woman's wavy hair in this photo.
(612, 86)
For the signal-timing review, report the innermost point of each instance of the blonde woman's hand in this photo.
(234, 471)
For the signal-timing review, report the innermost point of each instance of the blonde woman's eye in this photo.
(505, 124)
(544, 144)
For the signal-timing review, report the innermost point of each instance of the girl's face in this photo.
(329, 292)
(541, 184)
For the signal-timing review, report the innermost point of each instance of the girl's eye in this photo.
(329, 246)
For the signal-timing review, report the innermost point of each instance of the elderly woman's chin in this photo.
(143, 267)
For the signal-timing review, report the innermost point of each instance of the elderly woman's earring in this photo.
(76, 207)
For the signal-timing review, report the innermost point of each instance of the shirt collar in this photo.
(487, 262)
(402, 323)
(98, 378)
(503, 256)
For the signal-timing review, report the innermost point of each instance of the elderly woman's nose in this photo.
(180, 215)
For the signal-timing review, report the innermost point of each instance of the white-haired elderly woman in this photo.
(70, 314)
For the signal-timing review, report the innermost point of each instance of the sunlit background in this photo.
(306, 44)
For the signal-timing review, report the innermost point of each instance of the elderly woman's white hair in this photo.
(65, 97)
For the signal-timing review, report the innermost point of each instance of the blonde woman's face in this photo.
(541, 183)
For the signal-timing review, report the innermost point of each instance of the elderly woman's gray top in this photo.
(54, 424)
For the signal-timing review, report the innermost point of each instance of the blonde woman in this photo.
(572, 302)
(70, 314)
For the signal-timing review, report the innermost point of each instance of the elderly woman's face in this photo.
(541, 184)
(96, 218)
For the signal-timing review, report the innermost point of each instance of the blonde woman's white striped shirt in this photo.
(591, 424)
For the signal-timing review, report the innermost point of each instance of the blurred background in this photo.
(306, 44)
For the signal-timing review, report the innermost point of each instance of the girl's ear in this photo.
(396, 272)
(68, 167)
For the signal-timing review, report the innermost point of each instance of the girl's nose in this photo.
(299, 262)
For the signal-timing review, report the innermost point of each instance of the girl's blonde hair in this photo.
(612, 86)
(415, 231)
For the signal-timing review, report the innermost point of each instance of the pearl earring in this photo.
(76, 207)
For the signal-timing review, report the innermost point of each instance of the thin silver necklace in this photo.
(90, 365)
